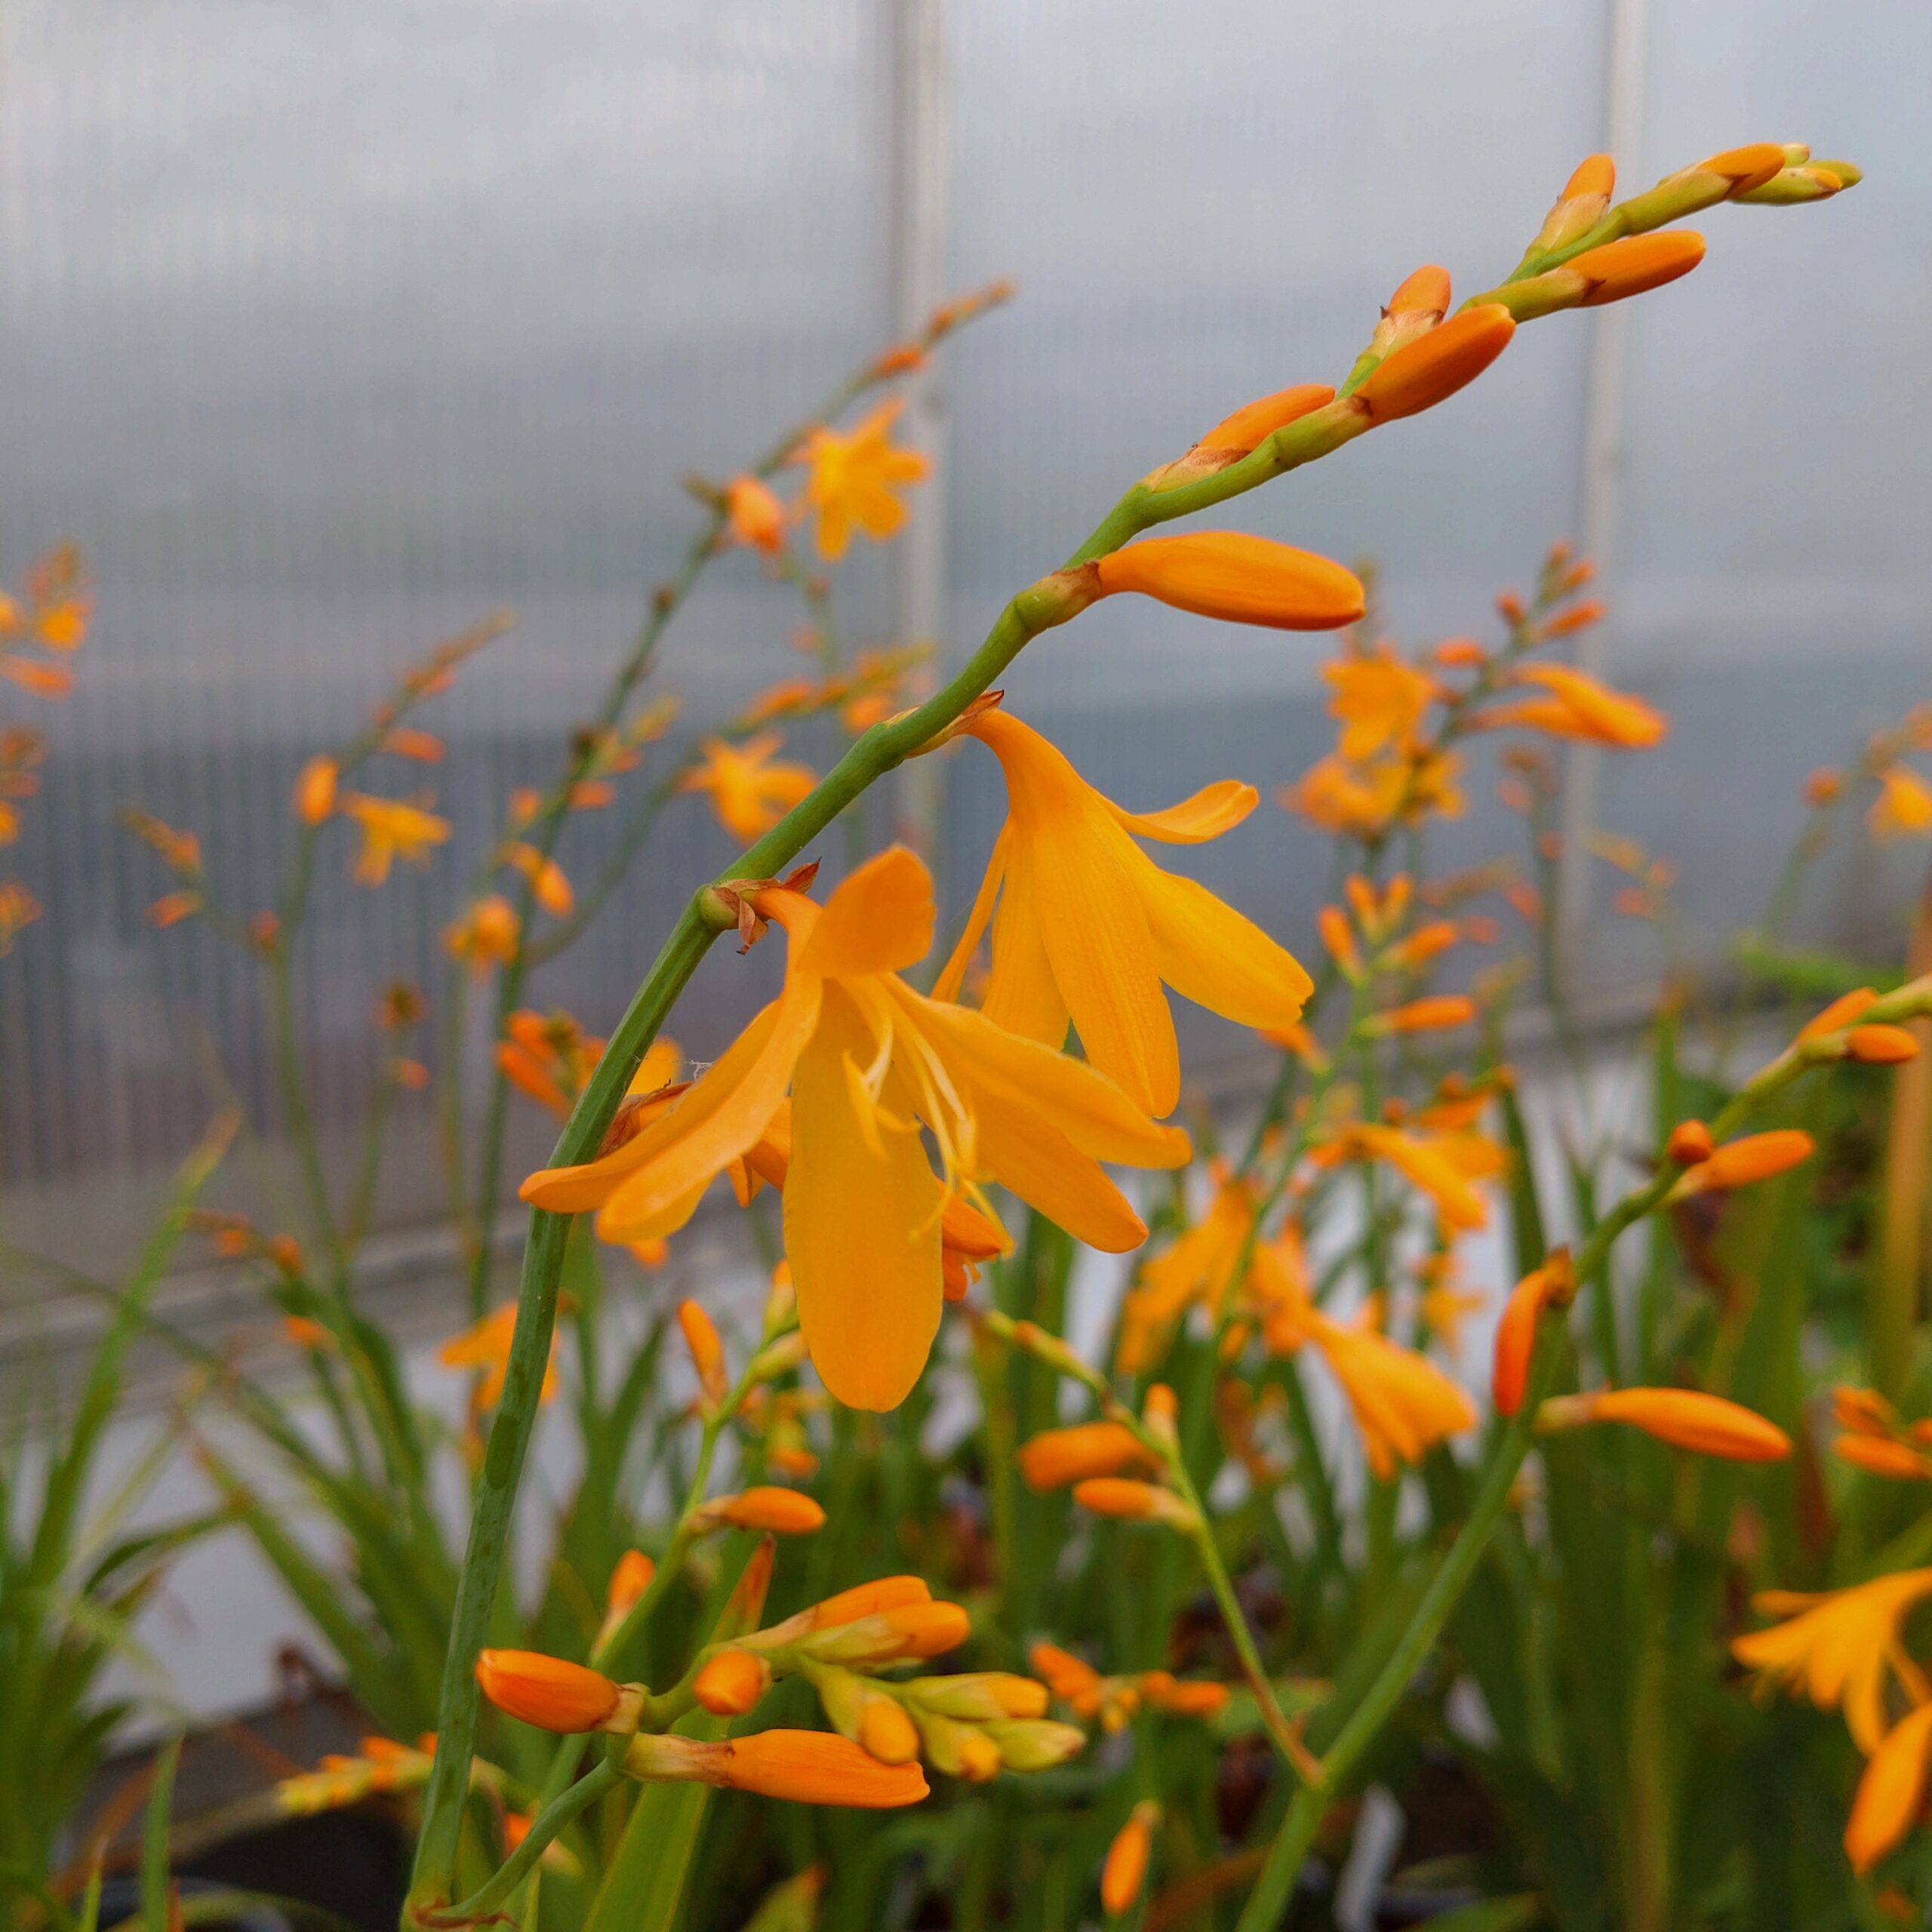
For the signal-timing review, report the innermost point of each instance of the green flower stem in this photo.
(603, 1776)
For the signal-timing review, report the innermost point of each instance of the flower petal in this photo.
(1022, 995)
(1214, 809)
(1025, 1152)
(879, 920)
(861, 1226)
(1210, 954)
(953, 973)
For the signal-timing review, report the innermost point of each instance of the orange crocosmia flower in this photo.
(873, 1066)
(1891, 1793)
(1903, 807)
(1444, 1166)
(485, 935)
(1578, 707)
(1752, 1157)
(749, 792)
(806, 1767)
(1403, 1405)
(313, 797)
(1837, 1648)
(1199, 1266)
(1088, 927)
(1683, 1418)
(485, 1345)
(855, 479)
(754, 515)
(552, 890)
(1379, 701)
(391, 829)
(1516, 1336)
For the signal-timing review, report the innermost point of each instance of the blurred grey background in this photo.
(329, 327)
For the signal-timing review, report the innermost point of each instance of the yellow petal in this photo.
(952, 974)
(727, 1127)
(1078, 1100)
(880, 920)
(1025, 1152)
(1022, 995)
(1097, 936)
(1214, 809)
(862, 1227)
(1210, 954)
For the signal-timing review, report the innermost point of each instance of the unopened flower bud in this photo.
(1434, 366)
(1754, 1157)
(1125, 1869)
(1241, 434)
(979, 1696)
(1035, 1744)
(911, 1630)
(1238, 578)
(315, 791)
(808, 1766)
(1878, 1456)
(868, 1600)
(960, 1750)
(1141, 1501)
(730, 1682)
(784, 1512)
(1683, 1418)
(1580, 207)
(1058, 1457)
(887, 1732)
(707, 1351)
(557, 1696)
(1842, 1012)
(1880, 1046)
(1690, 1142)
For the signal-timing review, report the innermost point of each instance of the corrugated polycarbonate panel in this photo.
(329, 329)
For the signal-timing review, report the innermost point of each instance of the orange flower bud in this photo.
(1878, 1455)
(1823, 787)
(1072, 1679)
(1459, 654)
(1566, 623)
(754, 515)
(546, 1691)
(868, 1600)
(172, 908)
(1581, 205)
(784, 1512)
(1239, 578)
(404, 741)
(1636, 262)
(808, 1766)
(306, 1332)
(1549, 1286)
(1738, 1163)
(1880, 1046)
(707, 1352)
(1690, 1142)
(1684, 1418)
(909, 1630)
(981, 1696)
(1139, 1502)
(1424, 293)
(1331, 923)
(1746, 167)
(730, 1683)
(1842, 1012)
(1236, 436)
(1422, 1016)
(1863, 1411)
(1434, 366)
(628, 1582)
(1891, 1792)
(1058, 1457)
(887, 1733)
(315, 791)
(1125, 1869)
(1193, 1700)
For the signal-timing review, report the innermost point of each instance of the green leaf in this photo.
(154, 1839)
